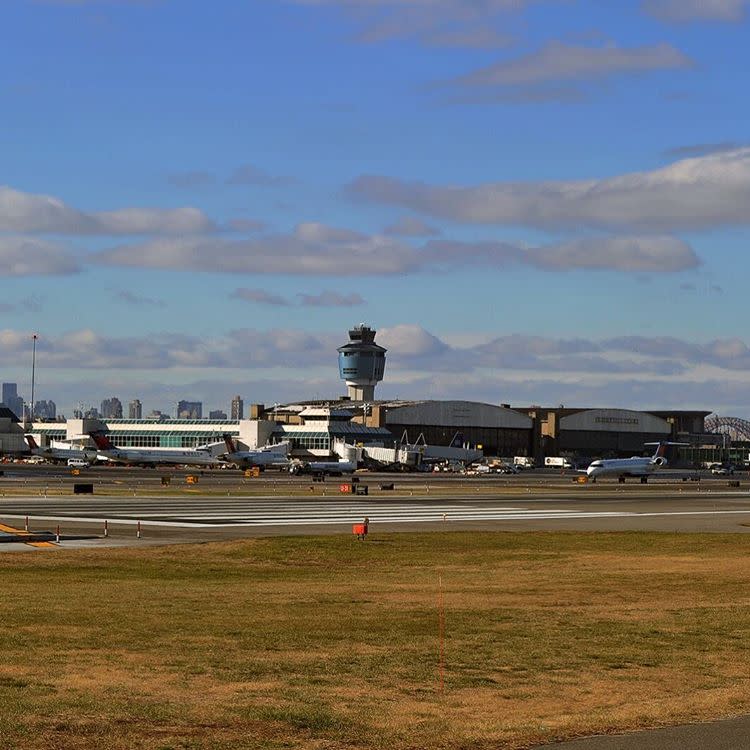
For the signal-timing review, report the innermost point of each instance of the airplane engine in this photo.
(660, 461)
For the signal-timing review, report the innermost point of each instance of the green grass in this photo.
(329, 643)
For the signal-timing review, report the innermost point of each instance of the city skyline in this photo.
(110, 408)
(532, 201)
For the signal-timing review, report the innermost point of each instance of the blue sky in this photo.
(533, 200)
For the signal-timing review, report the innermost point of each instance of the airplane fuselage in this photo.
(335, 468)
(261, 457)
(622, 467)
(157, 457)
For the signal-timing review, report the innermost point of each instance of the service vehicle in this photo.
(558, 462)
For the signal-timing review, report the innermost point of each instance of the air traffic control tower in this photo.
(361, 363)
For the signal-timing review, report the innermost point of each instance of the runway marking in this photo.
(353, 513)
(20, 534)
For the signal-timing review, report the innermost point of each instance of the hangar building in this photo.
(609, 432)
(500, 431)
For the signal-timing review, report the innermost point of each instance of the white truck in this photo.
(523, 462)
(558, 462)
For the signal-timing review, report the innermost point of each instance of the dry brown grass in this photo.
(326, 643)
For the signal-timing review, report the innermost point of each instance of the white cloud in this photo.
(277, 254)
(411, 226)
(630, 254)
(331, 299)
(153, 221)
(436, 23)
(250, 174)
(316, 232)
(323, 299)
(246, 225)
(44, 214)
(239, 349)
(558, 61)
(259, 296)
(321, 250)
(700, 193)
(702, 149)
(696, 10)
(410, 340)
(137, 300)
(633, 371)
(626, 254)
(31, 304)
(27, 256)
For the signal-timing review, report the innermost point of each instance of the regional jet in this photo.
(637, 466)
(60, 453)
(319, 468)
(270, 455)
(150, 456)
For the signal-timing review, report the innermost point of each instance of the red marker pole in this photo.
(57, 534)
(441, 634)
(138, 532)
(106, 529)
(26, 525)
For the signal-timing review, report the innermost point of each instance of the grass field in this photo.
(329, 643)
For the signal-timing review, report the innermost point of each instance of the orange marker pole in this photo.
(57, 534)
(138, 532)
(26, 524)
(106, 528)
(441, 630)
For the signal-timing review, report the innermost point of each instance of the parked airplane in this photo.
(271, 455)
(60, 454)
(332, 468)
(637, 466)
(150, 456)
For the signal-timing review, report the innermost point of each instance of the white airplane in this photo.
(332, 468)
(152, 457)
(271, 455)
(637, 466)
(59, 453)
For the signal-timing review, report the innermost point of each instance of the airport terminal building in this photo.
(313, 428)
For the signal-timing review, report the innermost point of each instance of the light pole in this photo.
(727, 447)
(34, 337)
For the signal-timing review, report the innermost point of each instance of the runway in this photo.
(202, 517)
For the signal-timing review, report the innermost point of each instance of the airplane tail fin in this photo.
(229, 443)
(281, 448)
(660, 455)
(31, 442)
(103, 443)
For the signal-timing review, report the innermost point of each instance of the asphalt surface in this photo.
(730, 734)
(226, 505)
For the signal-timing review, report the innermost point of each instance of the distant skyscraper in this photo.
(238, 408)
(135, 409)
(45, 409)
(12, 400)
(218, 415)
(190, 410)
(111, 408)
(10, 392)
